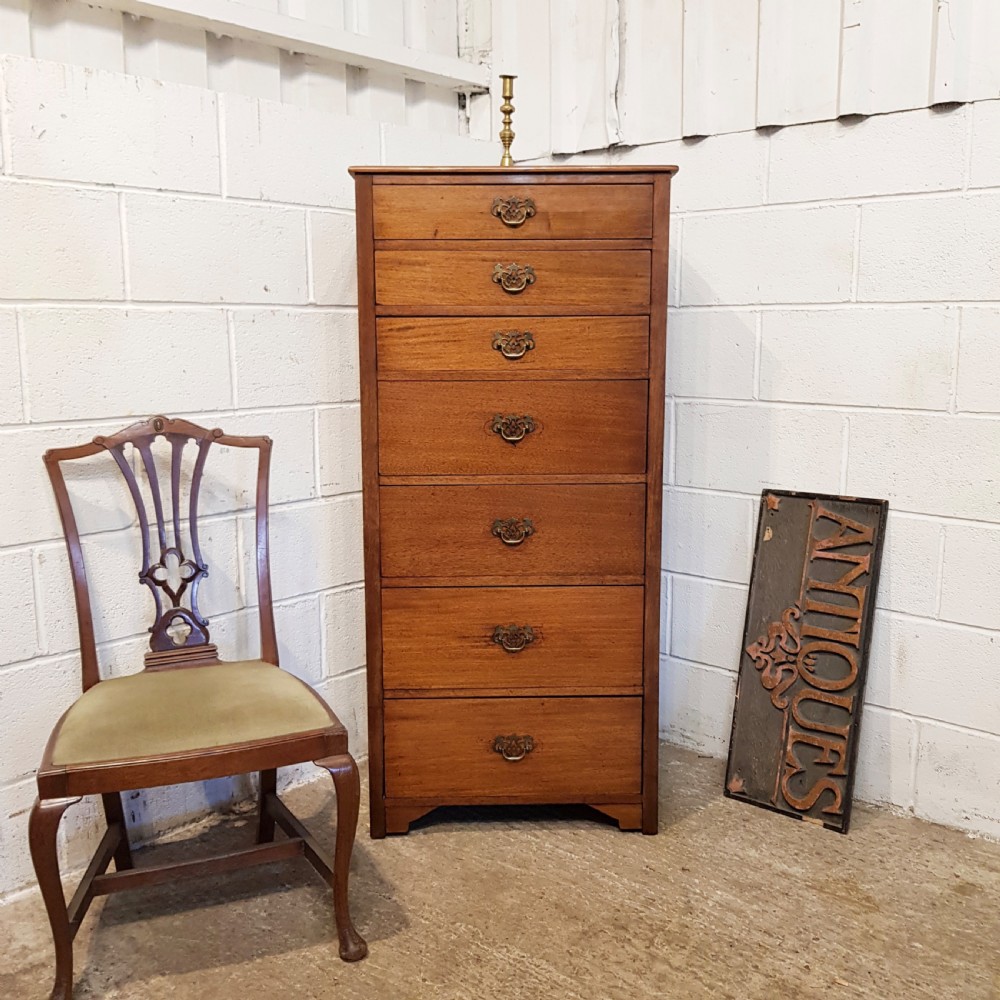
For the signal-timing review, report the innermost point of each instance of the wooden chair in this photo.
(186, 716)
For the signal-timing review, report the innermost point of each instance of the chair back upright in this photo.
(172, 566)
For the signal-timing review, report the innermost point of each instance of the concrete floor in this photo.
(728, 901)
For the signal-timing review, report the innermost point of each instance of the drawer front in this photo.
(496, 344)
(498, 428)
(512, 531)
(502, 638)
(572, 280)
(513, 211)
(580, 748)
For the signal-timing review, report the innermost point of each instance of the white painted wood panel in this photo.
(236, 66)
(431, 26)
(475, 44)
(165, 51)
(70, 32)
(584, 75)
(15, 27)
(887, 55)
(282, 31)
(521, 45)
(311, 82)
(328, 12)
(720, 66)
(799, 60)
(377, 93)
(651, 73)
(967, 56)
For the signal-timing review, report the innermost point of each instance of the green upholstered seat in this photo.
(154, 713)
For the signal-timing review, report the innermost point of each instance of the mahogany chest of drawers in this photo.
(512, 330)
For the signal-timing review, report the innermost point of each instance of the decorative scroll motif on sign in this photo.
(512, 426)
(810, 657)
(513, 747)
(513, 638)
(513, 278)
(513, 211)
(513, 344)
(513, 530)
(774, 655)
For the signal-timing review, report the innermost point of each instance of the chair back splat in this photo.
(172, 568)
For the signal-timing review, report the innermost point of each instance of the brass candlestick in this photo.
(507, 109)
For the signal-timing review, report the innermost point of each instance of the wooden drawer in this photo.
(507, 428)
(496, 345)
(583, 748)
(504, 639)
(574, 531)
(583, 281)
(466, 212)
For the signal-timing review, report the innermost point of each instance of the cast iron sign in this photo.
(805, 653)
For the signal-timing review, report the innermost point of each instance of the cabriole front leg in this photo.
(43, 825)
(347, 783)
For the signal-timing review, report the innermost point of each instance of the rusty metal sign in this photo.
(805, 654)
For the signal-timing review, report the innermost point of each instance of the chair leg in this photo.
(114, 812)
(43, 825)
(265, 821)
(344, 772)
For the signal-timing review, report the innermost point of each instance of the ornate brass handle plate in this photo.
(512, 426)
(513, 278)
(513, 747)
(513, 638)
(513, 344)
(513, 211)
(513, 530)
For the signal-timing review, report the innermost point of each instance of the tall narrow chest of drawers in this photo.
(512, 329)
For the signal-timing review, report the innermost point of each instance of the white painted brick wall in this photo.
(333, 252)
(922, 249)
(922, 343)
(282, 153)
(729, 372)
(82, 340)
(737, 448)
(837, 328)
(957, 778)
(979, 362)
(809, 255)
(289, 358)
(985, 145)
(926, 464)
(75, 250)
(78, 132)
(10, 373)
(911, 151)
(195, 250)
(166, 248)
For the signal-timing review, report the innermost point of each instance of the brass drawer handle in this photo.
(513, 278)
(513, 638)
(513, 211)
(513, 747)
(512, 427)
(513, 530)
(513, 344)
